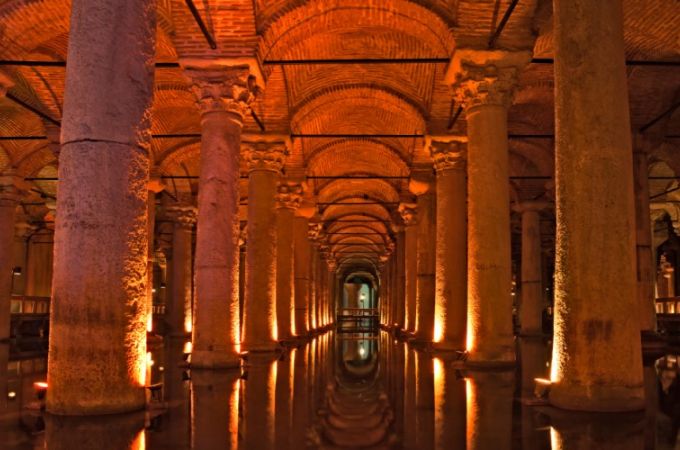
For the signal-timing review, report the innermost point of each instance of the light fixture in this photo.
(542, 387)
(11, 395)
(153, 290)
(16, 271)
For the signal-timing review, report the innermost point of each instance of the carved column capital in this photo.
(228, 89)
(485, 77)
(155, 183)
(447, 153)
(332, 265)
(409, 213)
(288, 195)
(265, 155)
(183, 215)
(10, 188)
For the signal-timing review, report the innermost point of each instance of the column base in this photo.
(262, 347)
(82, 406)
(205, 359)
(597, 398)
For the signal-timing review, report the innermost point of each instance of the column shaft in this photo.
(400, 318)
(285, 302)
(216, 309)
(8, 204)
(98, 314)
(301, 259)
(645, 256)
(531, 304)
(426, 267)
(179, 307)
(451, 275)
(596, 311)
(411, 275)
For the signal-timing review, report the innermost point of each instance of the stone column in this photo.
(333, 291)
(301, 259)
(98, 314)
(596, 309)
(531, 291)
(9, 197)
(223, 98)
(265, 161)
(423, 188)
(179, 311)
(409, 215)
(643, 233)
(450, 313)
(155, 186)
(483, 82)
(400, 262)
(288, 200)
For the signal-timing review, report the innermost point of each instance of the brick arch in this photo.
(417, 30)
(380, 190)
(357, 109)
(346, 157)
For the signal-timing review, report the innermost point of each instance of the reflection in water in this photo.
(339, 391)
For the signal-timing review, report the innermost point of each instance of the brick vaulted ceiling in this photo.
(408, 98)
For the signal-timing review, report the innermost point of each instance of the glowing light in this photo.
(149, 322)
(11, 395)
(470, 410)
(233, 413)
(362, 351)
(438, 322)
(188, 347)
(439, 402)
(470, 337)
(188, 324)
(140, 441)
(41, 385)
(149, 359)
(555, 439)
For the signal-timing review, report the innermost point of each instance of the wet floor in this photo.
(337, 391)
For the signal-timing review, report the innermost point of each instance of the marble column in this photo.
(643, 235)
(423, 188)
(179, 311)
(450, 313)
(288, 199)
(409, 216)
(596, 308)
(9, 197)
(223, 98)
(400, 262)
(97, 342)
(531, 290)
(301, 259)
(483, 82)
(265, 161)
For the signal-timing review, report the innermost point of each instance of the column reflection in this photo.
(214, 409)
(588, 431)
(260, 401)
(449, 406)
(489, 410)
(119, 431)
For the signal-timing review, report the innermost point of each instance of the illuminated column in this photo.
(596, 311)
(288, 199)
(645, 255)
(154, 186)
(450, 313)
(422, 187)
(223, 97)
(9, 197)
(400, 262)
(98, 313)
(483, 82)
(408, 213)
(301, 257)
(178, 307)
(265, 161)
(333, 287)
(531, 303)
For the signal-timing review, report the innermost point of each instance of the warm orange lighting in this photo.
(470, 411)
(188, 347)
(140, 441)
(469, 337)
(188, 324)
(439, 399)
(233, 413)
(149, 322)
(555, 439)
(438, 321)
(40, 385)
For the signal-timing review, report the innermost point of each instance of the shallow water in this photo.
(337, 391)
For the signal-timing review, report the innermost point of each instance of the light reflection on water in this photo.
(339, 391)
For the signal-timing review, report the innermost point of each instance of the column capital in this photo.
(331, 264)
(155, 183)
(485, 77)
(409, 213)
(23, 229)
(288, 195)
(183, 215)
(448, 152)
(223, 89)
(421, 180)
(315, 232)
(264, 155)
